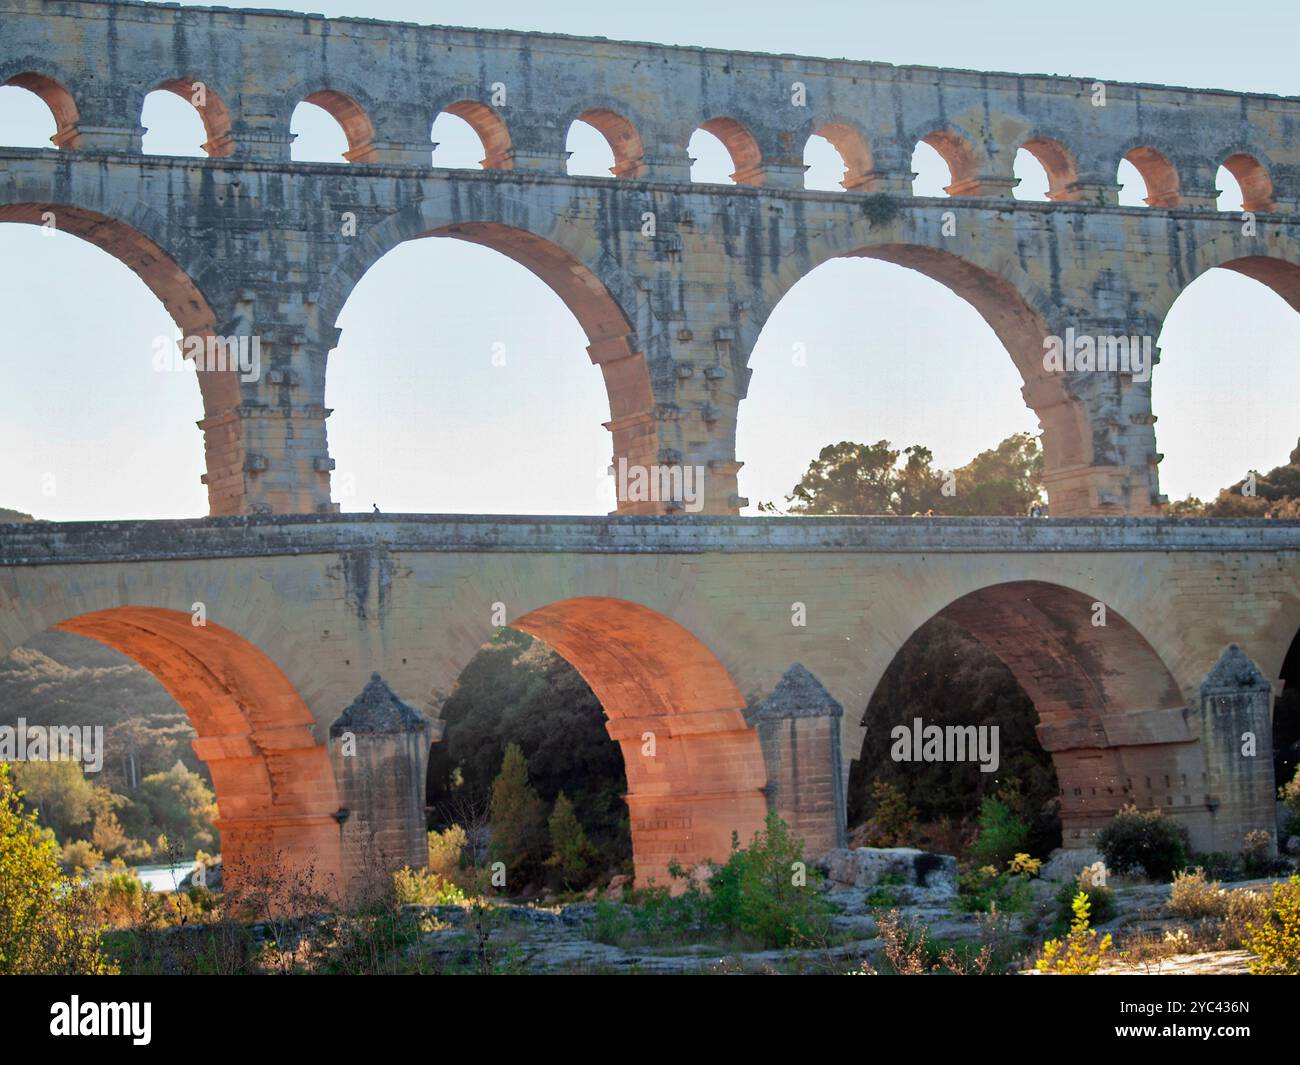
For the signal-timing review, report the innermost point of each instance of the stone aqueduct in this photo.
(680, 623)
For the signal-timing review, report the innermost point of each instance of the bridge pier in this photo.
(379, 747)
(1236, 718)
(799, 729)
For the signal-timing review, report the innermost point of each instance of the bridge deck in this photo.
(50, 543)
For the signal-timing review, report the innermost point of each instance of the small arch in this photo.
(357, 128)
(960, 158)
(1254, 180)
(741, 147)
(211, 110)
(1059, 164)
(498, 152)
(650, 674)
(60, 102)
(623, 139)
(1158, 175)
(852, 149)
(276, 794)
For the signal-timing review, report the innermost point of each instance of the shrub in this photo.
(1081, 952)
(1144, 841)
(80, 857)
(1101, 903)
(766, 891)
(893, 823)
(1276, 936)
(423, 887)
(1001, 834)
(1257, 853)
(447, 849)
(1194, 895)
(985, 890)
(572, 854)
(46, 920)
(1289, 793)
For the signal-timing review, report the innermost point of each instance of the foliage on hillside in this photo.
(1275, 494)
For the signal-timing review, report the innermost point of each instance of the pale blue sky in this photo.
(89, 430)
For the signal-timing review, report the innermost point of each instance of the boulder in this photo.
(1066, 864)
(617, 886)
(865, 867)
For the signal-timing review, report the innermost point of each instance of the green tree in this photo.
(518, 818)
(59, 793)
(46, 922)
(181, 806)
(1005, 480)
(571, 851)
(848, 478)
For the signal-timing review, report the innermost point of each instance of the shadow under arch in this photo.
(275, 786)
(175, 287)
(1111, 714)
(665, 692)
(601, 305)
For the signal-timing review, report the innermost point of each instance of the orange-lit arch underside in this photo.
(694, 767)
(275, 787)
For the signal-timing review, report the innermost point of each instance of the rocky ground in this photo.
(861, 885)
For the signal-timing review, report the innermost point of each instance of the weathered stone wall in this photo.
(247, 242)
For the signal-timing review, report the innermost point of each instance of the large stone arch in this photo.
(1016, 308)
(599, 294)
(276, 794)
(1111, 713)
(128, 234)
(695, 768)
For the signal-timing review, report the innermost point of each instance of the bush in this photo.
(1276, 937)
(423, 887)
(1194, 895)
(1257, 853)
(985, 890)
(1144, 841)
(1081, 952)
(1101, 903)
(1001, 834)
(893, 823)
(767, 891)
(446, 850)
(1289, 793)
(46, 921)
